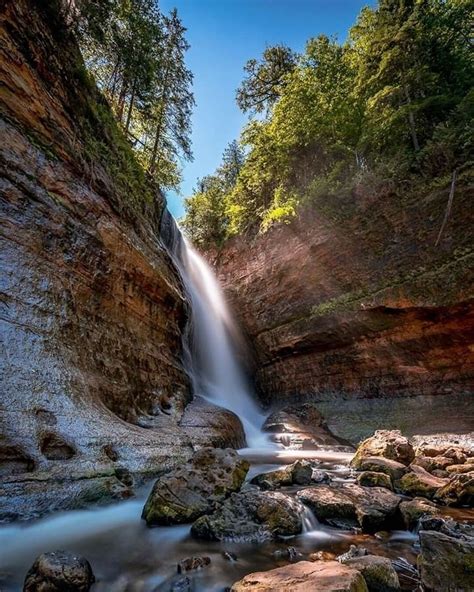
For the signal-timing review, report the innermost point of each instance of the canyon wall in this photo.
(92, 310)
(355, 298)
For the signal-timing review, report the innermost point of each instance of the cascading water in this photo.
(212, 360)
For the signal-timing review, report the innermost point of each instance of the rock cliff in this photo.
(92, 309)
(355, 297)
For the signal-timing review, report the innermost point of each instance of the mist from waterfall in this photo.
(211, 346)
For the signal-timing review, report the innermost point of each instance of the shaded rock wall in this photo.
(92, 310)
(354, 298)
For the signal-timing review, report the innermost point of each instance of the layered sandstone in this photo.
(93, 385)
(356, 298)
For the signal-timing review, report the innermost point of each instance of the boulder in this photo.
(385, 443)
(458, 491)
(373, 479)
(251, 516)
(300, 418)
(59, 571)
(373, 508)
(378, 572)
(446, 559)
(318, 576)
(392, 468)
(432, 463)
(195, 488)
(458, 469)
(298, 473)
(414, 509)
(418, 482)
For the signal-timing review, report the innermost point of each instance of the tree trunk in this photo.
(412, 123)
(130, 106)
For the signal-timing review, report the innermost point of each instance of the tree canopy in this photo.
(394, 104)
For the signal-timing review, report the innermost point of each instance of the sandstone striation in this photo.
(92, 309)
(353, 298)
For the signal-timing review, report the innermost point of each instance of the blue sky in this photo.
(223, 35)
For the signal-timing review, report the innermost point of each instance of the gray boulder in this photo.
(59, 571)
(251, 516)
(195, 488)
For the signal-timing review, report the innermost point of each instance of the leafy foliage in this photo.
(391, 106)
(137, 56)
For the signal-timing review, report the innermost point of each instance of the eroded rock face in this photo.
(351, 297)
(195, 488)
(92, 308)
(319, 576)
(59, 571)
(251, 516)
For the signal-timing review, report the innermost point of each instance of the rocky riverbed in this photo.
(306, 513)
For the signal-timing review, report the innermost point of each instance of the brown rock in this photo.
(419, 482)
(386, 443)
(383, 465)
(319, 576)
(414, 509)
(458, 469)
(378, 572)
(459, 491)
(372, 479)
(432, 463)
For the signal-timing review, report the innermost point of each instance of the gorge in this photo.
(180, 418)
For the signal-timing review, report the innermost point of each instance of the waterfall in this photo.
(210, 347)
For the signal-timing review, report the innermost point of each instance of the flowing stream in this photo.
(213, 341)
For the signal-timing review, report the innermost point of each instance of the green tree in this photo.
(265, 79)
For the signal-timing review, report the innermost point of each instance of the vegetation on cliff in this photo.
(389, 110)
(136, 55)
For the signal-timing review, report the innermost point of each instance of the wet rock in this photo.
(373, 508)
(372, 479)
(210, 425)
(418, 482)
(195, 488)
(59, 571)
(389, 444)
(392, 468)
(378, 572)
(302, 472)
(432, 463)
(458, 469)
(193, 563)
(229, 555)
(318, 576)
(414, 509)
(298, 473)
(458, 491)
(251, 516)
(446, 560)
